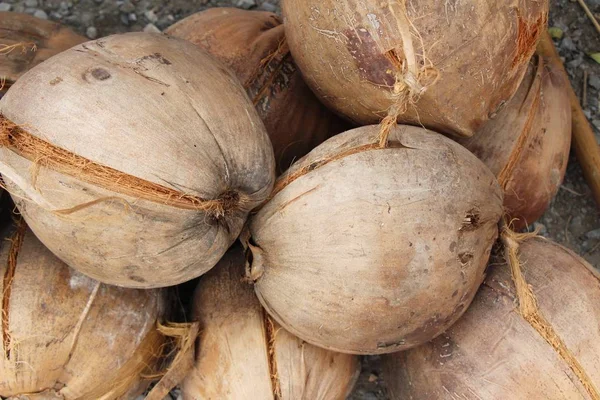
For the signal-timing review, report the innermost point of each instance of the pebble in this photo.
(5, 7)
(41, 14)
(151, 28)
(595, 234)
(132, 17)
(594, 81)
(268, 7)
(150, 16)
(246, 4)
(124, 19)
(567, 43)
(127, 7)
(31, 3)
(91, 32)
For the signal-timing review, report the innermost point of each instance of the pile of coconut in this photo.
(353, 178)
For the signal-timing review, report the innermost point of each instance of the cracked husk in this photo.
(140, 152)
(446, 65)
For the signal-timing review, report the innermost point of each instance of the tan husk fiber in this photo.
(536, 340)
(364, 249)
(253, 45)
(527, 144)
(444, 64)
(141, 152)
(69, 336)
(26, 41)
(243, 354)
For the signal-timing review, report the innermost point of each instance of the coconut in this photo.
(367, 249)
(67, 336)
(134, 158)
(527, 144)
(537, 340)
(446, 65)
(242, 353)
(26, 41)
(253, 45)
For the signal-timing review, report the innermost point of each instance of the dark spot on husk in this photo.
(372, 65)
(465, 257)
(101, 74)
(136, 278)
(158, 57)
(56, 81)
(471, 220)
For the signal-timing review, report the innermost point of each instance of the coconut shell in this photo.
(67, 336)
(368, 250)
(26, 41)
(492, 352)
(243, 354)
(446, 65)
(527, 144)
(253, 45)
(140, 152)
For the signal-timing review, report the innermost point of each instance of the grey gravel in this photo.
(151, 28)
(246, 4)
(5, 7)
(568, 44)
(91, 32)
(41, 14)
(150, 16)
(594, 81)
(31, 3)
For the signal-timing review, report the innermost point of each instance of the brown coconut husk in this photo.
(26, 41)
(542, 301)
(416, 60)
(345, 187)
(527, 144)
(150, 192)
(243, 353)
(67, 336)
(253, 45)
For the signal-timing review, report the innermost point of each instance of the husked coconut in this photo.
(527, 144)
(367, 249)
(26, 41)
(446, 65)
(66, 336)
(537, 340)
(242, 353)
(253, 45)
(134, 158)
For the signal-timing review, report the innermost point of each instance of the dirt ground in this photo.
(572, 219)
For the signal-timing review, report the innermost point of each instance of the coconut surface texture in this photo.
(243, 354)
(445, 65)
(66, 336)
(527, 144)
(493, 352)
(26, 41)
(368, 250)
(253, 45)
(136, 158)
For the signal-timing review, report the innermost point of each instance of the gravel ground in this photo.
(572, 219)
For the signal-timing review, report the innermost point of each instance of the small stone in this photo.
(268, 7)
(595, 234)
(30, 11)
(594, 81)
(246, 4)
(567, 43)
(127, 7)
(124, 19)
(373, 378)
(151, 28)
(596, 123)
(91, 32)
(575, 63)
(31, 3)
(587, 113)
(150, 16)
(41, 14)
(132, 17)
(5, 7)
